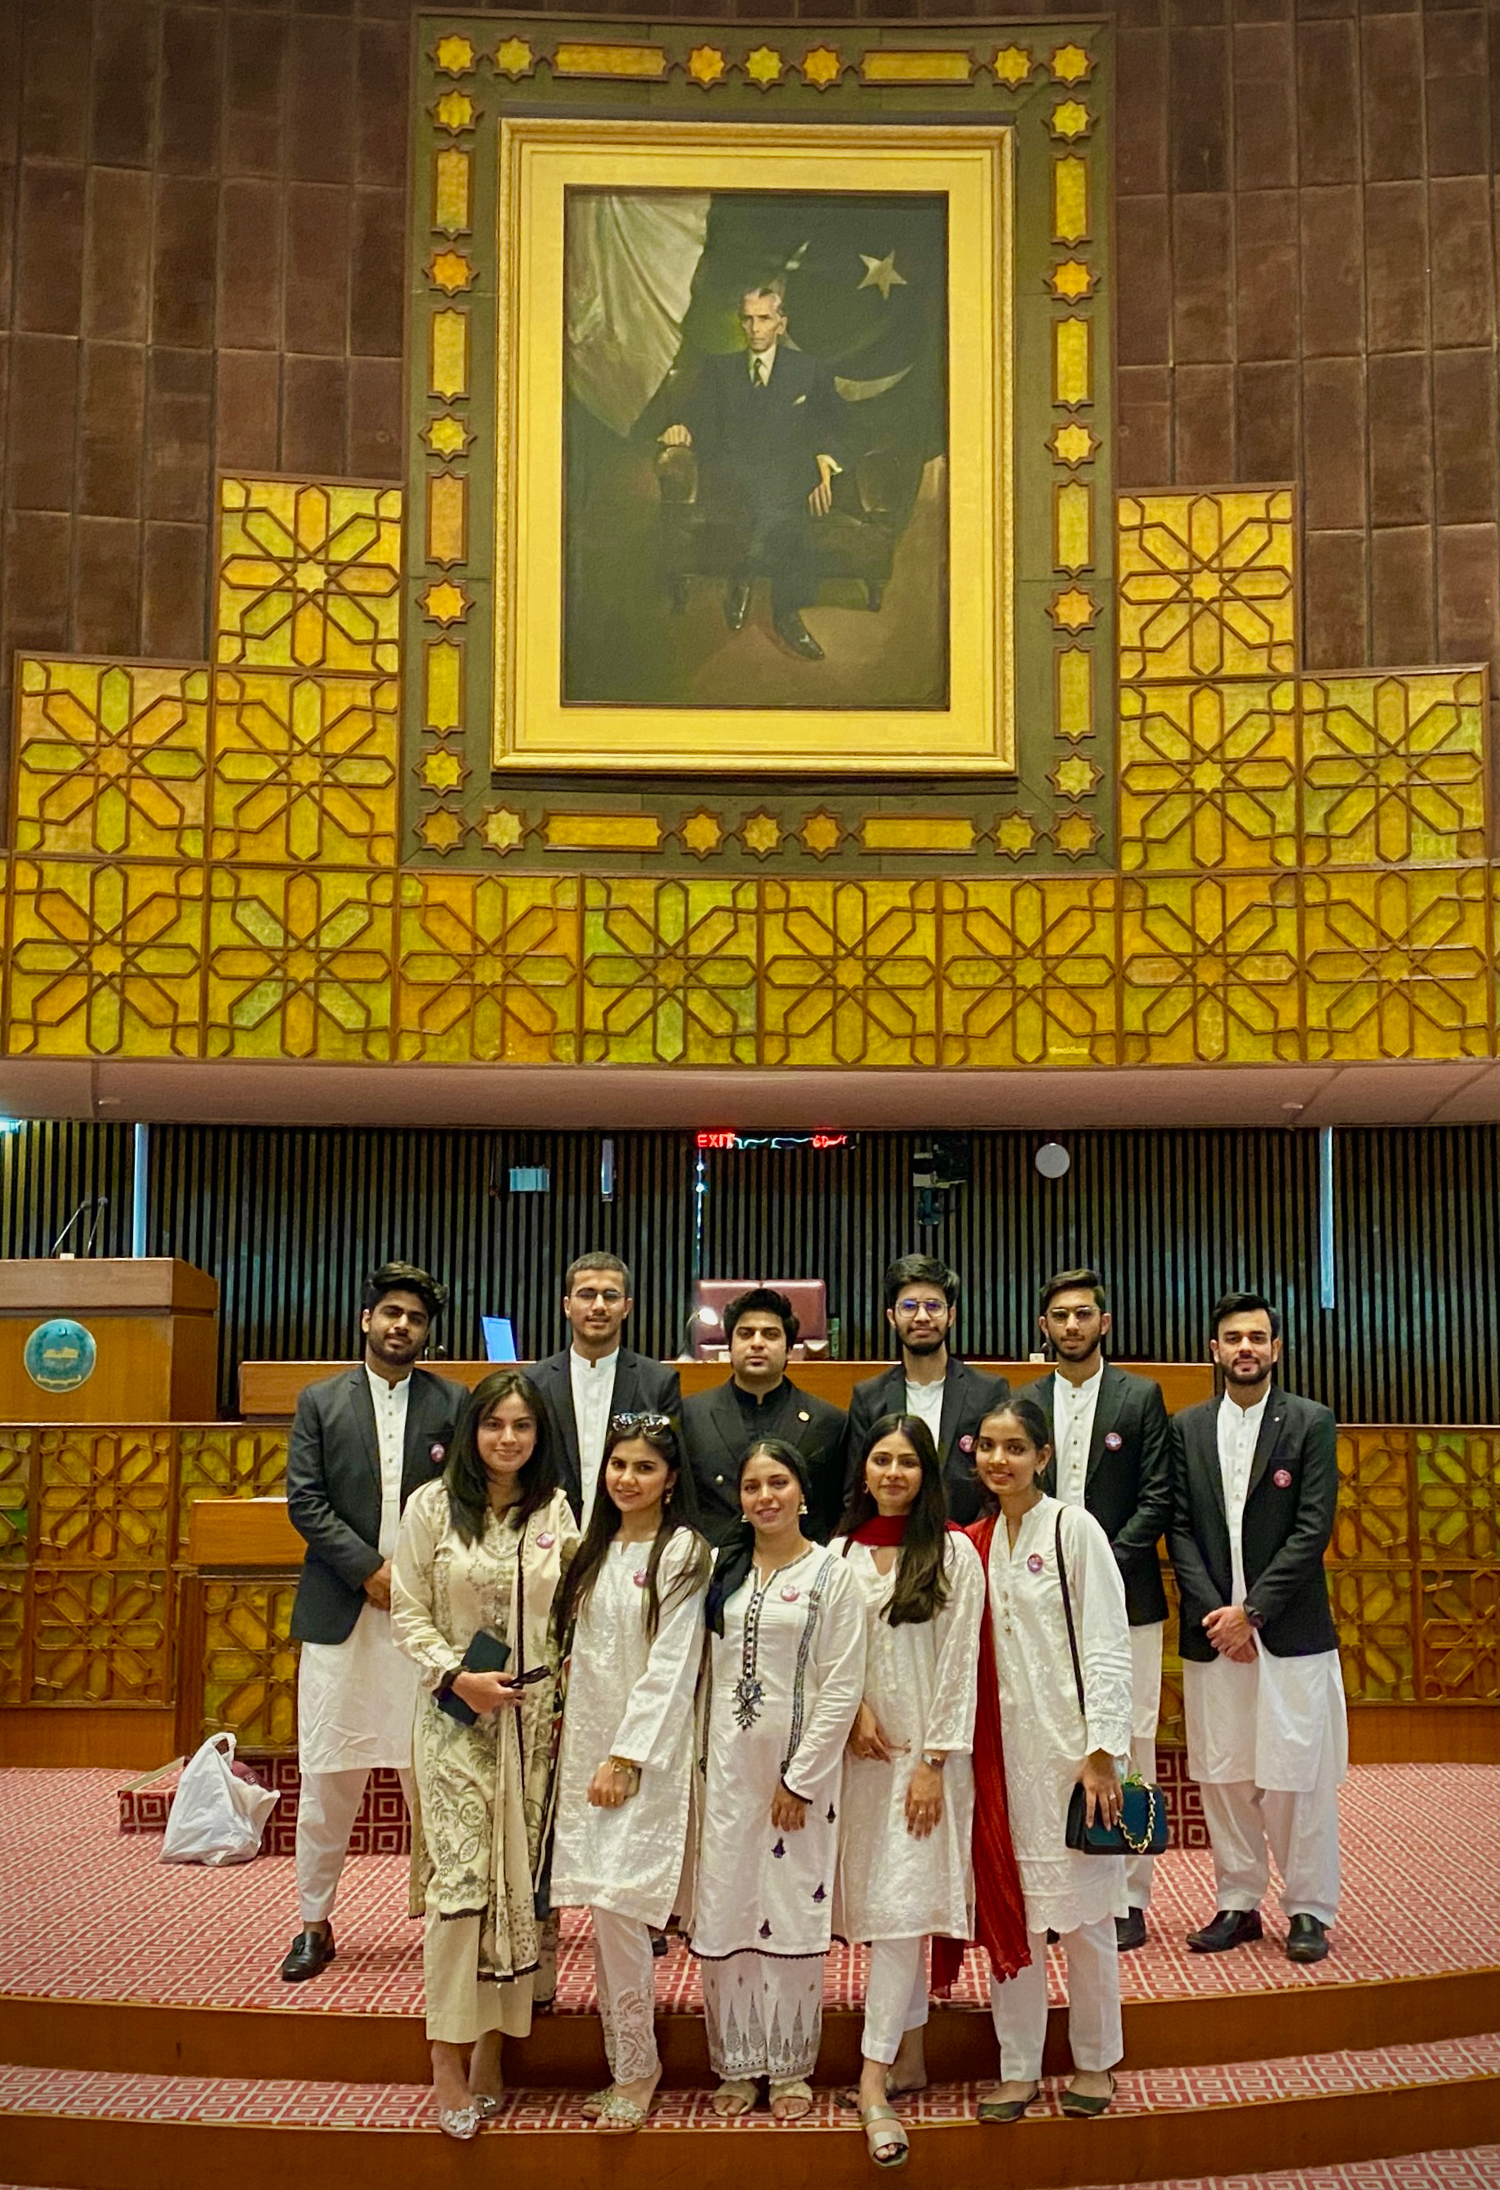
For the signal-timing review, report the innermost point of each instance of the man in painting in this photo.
(764, 420)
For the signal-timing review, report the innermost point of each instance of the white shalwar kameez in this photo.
(1046, 1744)
(356, 1700)
(1267, 1740)
(787, 1675)
(894, 1890)
(630, 1698)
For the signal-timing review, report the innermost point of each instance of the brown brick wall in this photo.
(201, 216)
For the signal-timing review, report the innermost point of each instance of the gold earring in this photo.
(803, 1507)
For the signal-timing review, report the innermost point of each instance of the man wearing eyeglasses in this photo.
(596, 1377)
(921, 1306)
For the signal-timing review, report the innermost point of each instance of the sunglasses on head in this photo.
(624, 1424)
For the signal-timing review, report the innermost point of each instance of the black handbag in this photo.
(1142, 1826)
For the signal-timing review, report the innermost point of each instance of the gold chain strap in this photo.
(1139, 1847)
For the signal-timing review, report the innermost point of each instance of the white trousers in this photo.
(1145, 1710)
(764, 2015)
(1019, 2006)
(625, 1981)
(327, 1806)
(895, 1996)
(1246, 1822)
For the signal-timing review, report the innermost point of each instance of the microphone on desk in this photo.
(98, 1203)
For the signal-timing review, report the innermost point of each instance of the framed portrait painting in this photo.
(751, 412)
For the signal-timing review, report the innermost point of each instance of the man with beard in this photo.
(760, 1400)
(1109, 1447)
(360, 1445)
(1255, 1482)
(921, 1307)
(595, 1377)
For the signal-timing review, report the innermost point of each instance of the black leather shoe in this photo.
(736, 604)
(310, 1952)
(793, 632)
(1306, 1939)
(660, 1943)
(1130, 1931)
(1230, 1928)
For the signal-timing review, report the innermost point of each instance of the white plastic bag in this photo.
(216, 1818)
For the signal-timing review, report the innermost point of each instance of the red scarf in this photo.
(999, 1904)
(881, 1530)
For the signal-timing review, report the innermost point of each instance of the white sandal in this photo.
(885, 2134)
(742, 2089)
(790, 2087)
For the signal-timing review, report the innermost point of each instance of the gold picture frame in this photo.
(972, 167)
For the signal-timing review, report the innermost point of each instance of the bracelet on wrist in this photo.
(935, 1758)
(623, 1764)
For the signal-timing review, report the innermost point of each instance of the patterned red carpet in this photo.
(86, 1912)
(409, 2106)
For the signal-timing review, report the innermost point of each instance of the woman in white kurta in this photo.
(486, 1546)
(633, 1601)
(908, 1807)
(786, 1666)
(1050, 1746)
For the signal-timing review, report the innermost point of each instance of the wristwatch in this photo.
(1254, 1619)
(937, 1758)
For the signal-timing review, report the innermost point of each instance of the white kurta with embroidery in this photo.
(1045, 1738)
(801, 1641)
(1273, 1721)
(630, 1698)
(921, 1682)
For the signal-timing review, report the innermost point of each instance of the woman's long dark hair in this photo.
(1032, 1417)
(468, 1486)
(921, 1589)
(738, 1548)
(679, 1510)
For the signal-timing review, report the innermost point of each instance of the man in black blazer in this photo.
(760, 1400)
(1255, 1489)
(921, 1307)
(765, 421)
(1109, 1454)
(595, 1377)
(361, 1443)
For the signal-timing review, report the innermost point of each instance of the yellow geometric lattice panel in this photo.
(1209, 970)
(309, 576)
(669, 972)
(488, 969)
(1206, 585)
(1393, 768)
(1373, 1611)
(847, 973)
(227, 1460)
(105, 960)
(102, 1635)
(105, 1496)
(250, 1663)
(1396, 964)
(1028, 971)
(12, 1635)
(299, 964)
(1373, 1521)
(1460, 1635)
(1458, 1494)
(305, 768)
(1208, 776)
(110, 759)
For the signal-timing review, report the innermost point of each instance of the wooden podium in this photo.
(105, 1340)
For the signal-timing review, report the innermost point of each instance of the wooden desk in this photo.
(269, 1390)
(153, 1322)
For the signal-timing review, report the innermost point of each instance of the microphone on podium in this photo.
(98, 1203)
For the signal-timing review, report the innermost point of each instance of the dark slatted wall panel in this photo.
(289, 1221)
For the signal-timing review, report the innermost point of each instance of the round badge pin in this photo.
(1035, 1563)
(1282, 1478)
(546, 1540)
(790, 1596)
(438, 1455)
(1113, 1440)
(803, 1415)
(639, 1577)
(966, 1444)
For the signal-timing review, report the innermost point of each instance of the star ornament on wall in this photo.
(881, 274)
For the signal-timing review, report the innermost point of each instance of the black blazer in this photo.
(717, 1438)
(967, 1398)
(333, 1488)
(1289, 1513)
(1127, 1485)
(765, 443)
(642, 1386)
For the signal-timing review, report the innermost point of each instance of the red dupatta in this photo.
(999, 1904)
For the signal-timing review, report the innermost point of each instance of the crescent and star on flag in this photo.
(881, 274)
